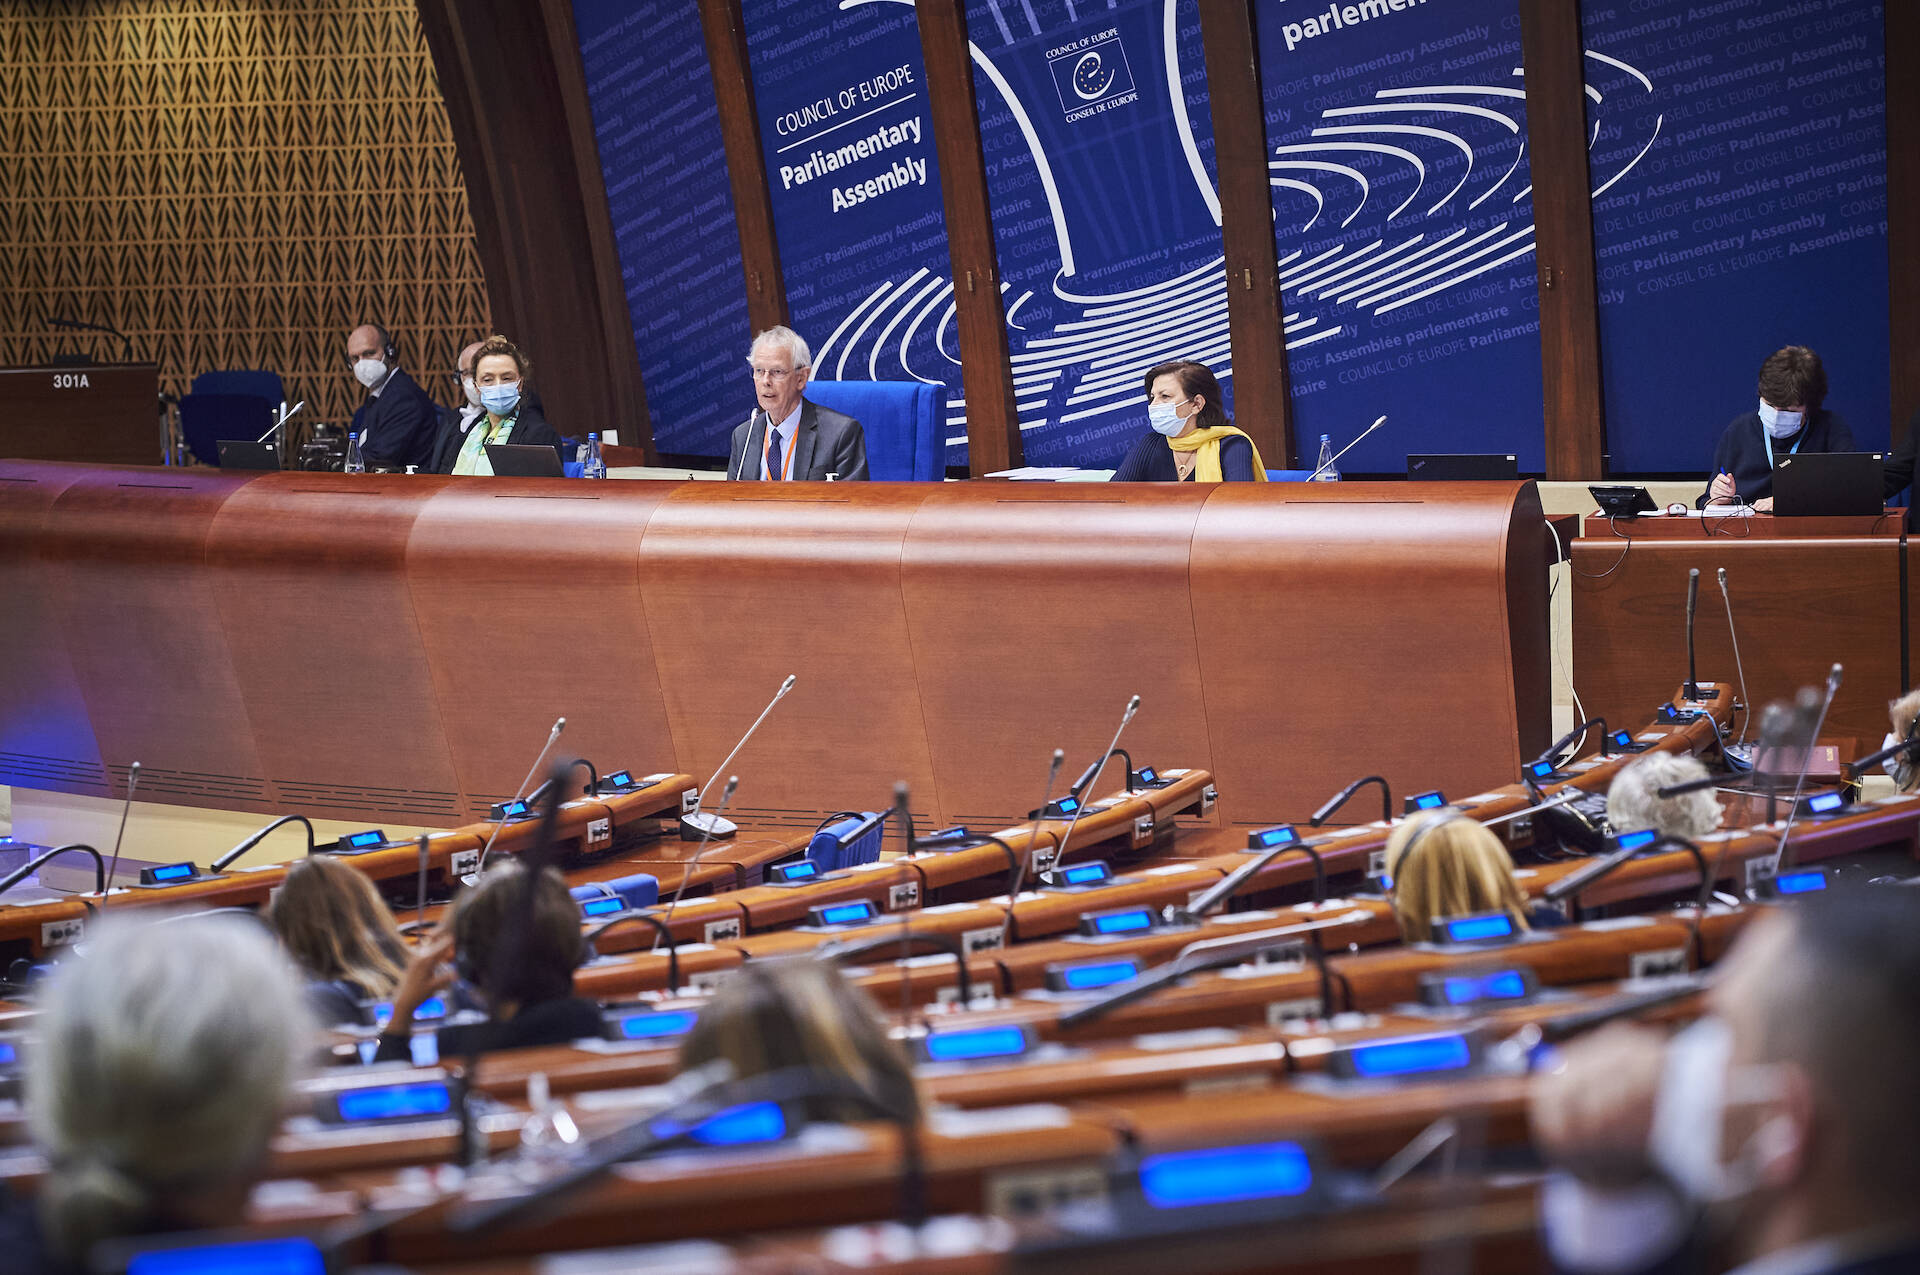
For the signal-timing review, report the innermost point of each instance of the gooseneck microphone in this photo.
(1692, 689)
(220, 864)
(286, 414)
(1017, 876)
(559, 724)
(1739, 754)
(1780, 857)
(697, 824)
(133, 781)
(1340, 799)
(1318, 469)
(1910, 746)
(686, 877)
(1080, 805)
(746, 446)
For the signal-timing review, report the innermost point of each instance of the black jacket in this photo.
(1150, 460)
(1742, 450)
(530, 429)
(553, 1022)
(825, 442)
(1900, 466)
(397, 427)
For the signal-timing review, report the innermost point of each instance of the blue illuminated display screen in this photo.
(1123, 922)
(1225, 1175)
(1469, 929)
(388, 1102)
(618, 779)
(603, 907)
(1085, 873)
(1085, 978)
(1433, 800)
(1622, 738)
(432, 1007)
(654, 1026)
(174, 872)
(979, 1042)
(1507, 985)
(802, 870)
(1267, 838)
(1635, 840)
(1799, 882)
(362, 840)
(513, 808)
(755, 1122)
(842, 913)
(1148, 775)
(1821, 803)
(292, 1256)
(8, 1054)
(1067, 805)
(1412, 1057)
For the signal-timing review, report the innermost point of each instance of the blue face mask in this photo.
(500, 399)
(1166, 420)
(1778, 423)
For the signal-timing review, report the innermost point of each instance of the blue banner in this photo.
(1099, 151)
(842, 100)
(658, 131)
(1755, 216)
(1403, 214)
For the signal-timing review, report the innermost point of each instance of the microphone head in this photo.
(1833, 679)
(1693, 574)
(900, 792)
(1723, 578)
(1133, 705)
(788, 684)
(733, 781)
(133, 768)
(1378, 423)
(1059, 756)
(559, 724)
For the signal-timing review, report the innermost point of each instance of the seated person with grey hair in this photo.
(1634, 801)
(165, 1058)
(788, 439)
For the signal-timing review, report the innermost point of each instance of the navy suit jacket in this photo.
(825, 442)
(398, 426)
(1150, 460)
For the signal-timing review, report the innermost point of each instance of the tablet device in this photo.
(1622, 500)
(1828, 484)
(511, 460)
(1462, 466)
(237, 453)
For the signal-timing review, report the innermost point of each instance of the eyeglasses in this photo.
(774, 374)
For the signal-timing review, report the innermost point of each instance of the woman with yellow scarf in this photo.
(1190, 440)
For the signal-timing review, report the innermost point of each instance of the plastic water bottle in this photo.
(1323, 470)
(355, 463)
(595, 464)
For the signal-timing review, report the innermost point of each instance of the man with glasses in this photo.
(788, 439)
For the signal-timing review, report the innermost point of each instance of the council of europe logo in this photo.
(1093, 77)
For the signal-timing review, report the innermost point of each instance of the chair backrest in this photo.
(205, 419)
(265, 385)
(901, 420)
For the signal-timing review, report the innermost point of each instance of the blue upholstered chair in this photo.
(235, 404)
(901, 420)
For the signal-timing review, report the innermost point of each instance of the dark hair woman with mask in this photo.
(1190, 439)
(501, 374)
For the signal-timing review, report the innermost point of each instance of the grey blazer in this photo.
(825, 442)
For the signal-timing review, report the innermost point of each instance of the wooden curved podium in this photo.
(397, 647)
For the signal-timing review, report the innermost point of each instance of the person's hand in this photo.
(1764, 505)
(1721, 490)
(1592, 1112)
(426, 974)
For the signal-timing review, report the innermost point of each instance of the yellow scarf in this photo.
(1206, 441)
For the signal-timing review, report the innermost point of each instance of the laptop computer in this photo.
(237, 453)
(514, 460)
(1828, 484)
(1462, 466)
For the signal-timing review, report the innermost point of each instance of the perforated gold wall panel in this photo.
(234, 184)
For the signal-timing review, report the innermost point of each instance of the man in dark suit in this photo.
(788, 439)
(398, 422)
(1779, 1133)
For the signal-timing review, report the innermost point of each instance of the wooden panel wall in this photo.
(234, 184)
(396, 648)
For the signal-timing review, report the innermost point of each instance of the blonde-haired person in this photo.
(772, 1015)
(165, 1059)
(1442, 863)
(339, 931)
(1634, 801)
(1904, 768)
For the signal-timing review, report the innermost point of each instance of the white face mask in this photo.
(472, 391)
(369, 372)
(1778, 423)
(1689, 1116)
(1165, 419)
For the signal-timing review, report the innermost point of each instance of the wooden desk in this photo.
(1807, 593)
(104, 415)
(946, 634)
